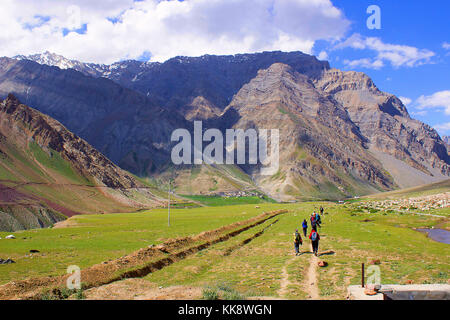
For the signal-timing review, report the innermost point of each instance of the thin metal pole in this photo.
(168, 217)
(362, 275)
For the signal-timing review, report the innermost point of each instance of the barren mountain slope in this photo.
(129, 128)
(341, 136)
(43, 165)
(208, 82)
(322, 153)
(393, 135)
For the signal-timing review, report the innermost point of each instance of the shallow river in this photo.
(440, 235)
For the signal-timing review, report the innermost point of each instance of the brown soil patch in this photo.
(312, 279)
(60, 208)
(284, 283)
(140, 289)
(68, 223)
(10, 195)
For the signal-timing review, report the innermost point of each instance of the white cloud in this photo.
(446, 45)
(322, 56)
(396, 55)
(365, 63)
(438, 100)
(121, 29)
(406, 101)
(443, 128)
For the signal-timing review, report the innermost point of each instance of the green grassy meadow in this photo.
(96, 238)
(256, 269)
(253, 266)
(217, 201)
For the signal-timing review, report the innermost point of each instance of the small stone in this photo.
(370, 292)
(322, 264)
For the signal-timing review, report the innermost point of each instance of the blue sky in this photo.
(421, 24)
(409, 56)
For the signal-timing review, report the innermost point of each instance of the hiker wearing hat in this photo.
(314, 237)
(297, 242)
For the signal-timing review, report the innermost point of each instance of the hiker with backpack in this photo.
(305, 227)
(318, 220)
(315, 237)
(313, 221)
(297, 242)
(321, 210)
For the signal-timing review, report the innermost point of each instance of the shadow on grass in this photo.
(305, 252)
(327, 253)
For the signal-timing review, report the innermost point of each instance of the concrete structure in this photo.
(403, 292)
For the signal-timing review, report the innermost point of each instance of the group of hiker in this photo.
(315, 221)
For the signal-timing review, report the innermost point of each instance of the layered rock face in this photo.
(180, 82)
(340, 135)
(131, 129)
(320, 147)
(392, 134)
(19, 217)
(48, 173)
(446, 139)
(18, 119)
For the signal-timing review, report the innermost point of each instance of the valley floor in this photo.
(245, 253)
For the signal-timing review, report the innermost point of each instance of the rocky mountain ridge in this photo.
(342, 135)
(50, 134)
(384, 121)
(47, 172)
(310, 158)
(115, 120)
(446, 139)
(179, 82)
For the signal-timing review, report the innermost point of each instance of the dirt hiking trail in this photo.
(284, 283)
(312, 278)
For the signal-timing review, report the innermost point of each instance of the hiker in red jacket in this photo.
(314, 236)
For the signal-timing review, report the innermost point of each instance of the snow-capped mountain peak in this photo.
(112, 71)
(51, 59)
